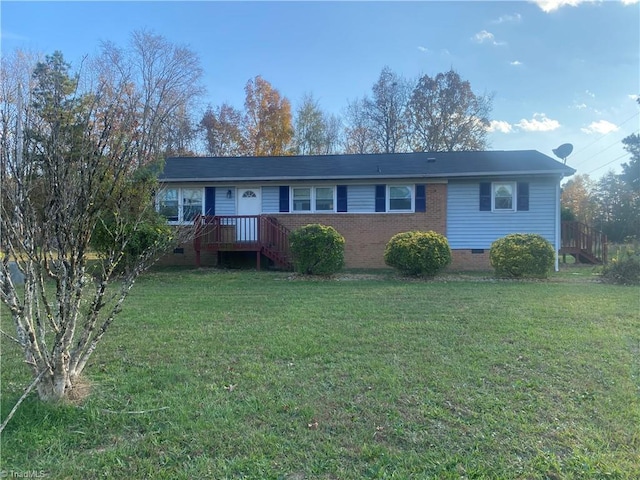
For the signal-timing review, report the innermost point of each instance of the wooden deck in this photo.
(583, 243)
(243, 233)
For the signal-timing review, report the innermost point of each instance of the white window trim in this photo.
(411, 188)
(181, 220)
(313, 198)
(514, 197)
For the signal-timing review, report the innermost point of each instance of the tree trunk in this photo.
(54, 387)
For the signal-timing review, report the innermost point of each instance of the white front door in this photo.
(249, 203)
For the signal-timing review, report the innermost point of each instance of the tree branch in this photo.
(24, 395)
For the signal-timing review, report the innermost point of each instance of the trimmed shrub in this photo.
(522, 255)
(624, 269)
(418, 253)
(317, 250)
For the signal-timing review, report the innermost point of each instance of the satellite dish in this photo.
(563, 151)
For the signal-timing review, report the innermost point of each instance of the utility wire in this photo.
(608, 163)
(603, 150)
(605, 135)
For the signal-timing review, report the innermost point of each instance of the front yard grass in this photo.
(213, 374)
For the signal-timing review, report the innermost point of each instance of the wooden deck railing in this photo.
(258, 233)
(583, 242)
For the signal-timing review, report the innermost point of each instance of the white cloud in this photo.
(601, 127)
(539, 123)
(552, 5)
(633, 97)
(423, 49)
(516, 63)
(500, 126)
(486, 37)
(515, 18)
(580, 106)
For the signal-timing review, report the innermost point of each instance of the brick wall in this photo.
(186, 255)
(366, 235)
(467, 260)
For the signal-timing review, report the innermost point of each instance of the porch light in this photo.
(229, 193)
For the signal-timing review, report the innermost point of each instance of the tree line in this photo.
(610, 204)
(440, 113)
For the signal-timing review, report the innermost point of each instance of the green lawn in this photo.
(211, 374)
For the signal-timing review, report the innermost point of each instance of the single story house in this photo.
(473, 198)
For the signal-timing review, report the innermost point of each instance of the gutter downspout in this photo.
(558, 234)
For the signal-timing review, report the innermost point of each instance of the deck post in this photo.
(258, 260)
(197, 243)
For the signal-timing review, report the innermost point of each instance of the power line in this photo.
(616, 143)
(606, 134)
(609, 163)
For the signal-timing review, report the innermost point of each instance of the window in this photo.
(503, 196)
(400, 198)
(313, 199)
(301, 199)
(324, 199)
(168, 204)
(191, 203)
(180, 204)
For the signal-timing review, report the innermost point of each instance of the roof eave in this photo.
(567, 172)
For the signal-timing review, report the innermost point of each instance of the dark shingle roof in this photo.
(366, 166)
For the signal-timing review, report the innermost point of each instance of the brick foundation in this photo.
(467, 260)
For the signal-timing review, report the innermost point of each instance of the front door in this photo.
(249, 203)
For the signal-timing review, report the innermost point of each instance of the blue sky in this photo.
(561, 71)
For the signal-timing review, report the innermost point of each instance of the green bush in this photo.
(418, 253)
(317, 250)
(624, 269)
(521, 255)
(152, 233)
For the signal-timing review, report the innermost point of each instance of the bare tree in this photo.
(333, 134)
(70, 183)
(445, 115)
(164, 80)
(358, 133)
(385, 111)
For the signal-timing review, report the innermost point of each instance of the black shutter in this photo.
(485, 196)
(209, 200)
(381, 198)
(523, 197)
(421, 198)
(342, 198)
(284, 198)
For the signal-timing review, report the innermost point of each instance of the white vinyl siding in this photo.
(468, 227)
(361, 198)
(225, 205)
(270, 199)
